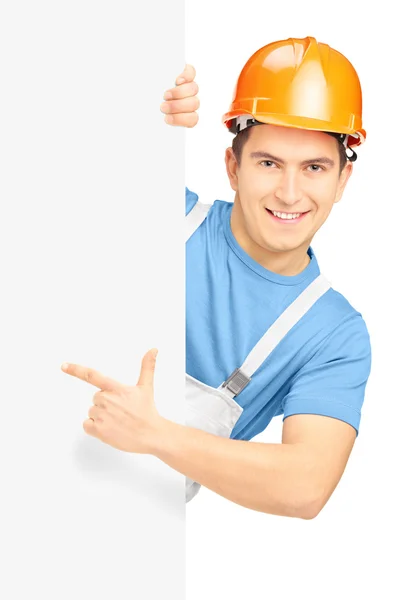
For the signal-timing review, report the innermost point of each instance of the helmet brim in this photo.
(356, 138)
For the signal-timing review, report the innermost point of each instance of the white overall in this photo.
(214, 410)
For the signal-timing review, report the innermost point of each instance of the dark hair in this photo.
(241, 138)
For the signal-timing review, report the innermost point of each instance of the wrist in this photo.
(160, 434)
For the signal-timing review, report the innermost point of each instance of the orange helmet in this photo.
(299, 83)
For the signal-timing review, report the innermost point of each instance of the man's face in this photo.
(287, 184)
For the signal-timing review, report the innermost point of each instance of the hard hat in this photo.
(299, 83)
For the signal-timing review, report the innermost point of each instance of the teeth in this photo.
(282, 215)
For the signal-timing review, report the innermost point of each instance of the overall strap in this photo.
(283, 324)
(195, 217)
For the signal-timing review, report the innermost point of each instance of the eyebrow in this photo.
(321, 160)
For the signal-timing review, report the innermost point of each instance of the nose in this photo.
(288, 189)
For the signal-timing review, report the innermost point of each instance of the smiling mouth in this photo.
(287, 217)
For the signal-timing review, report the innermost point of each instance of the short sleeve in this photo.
(334, 380)
(191, 199)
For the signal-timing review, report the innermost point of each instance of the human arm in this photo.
(180, 105)
(294, 478)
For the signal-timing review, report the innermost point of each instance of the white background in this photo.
(91, 186)
(346, 551)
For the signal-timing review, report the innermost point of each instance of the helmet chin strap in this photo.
(244, 121)
(353, 155)
(344, 138)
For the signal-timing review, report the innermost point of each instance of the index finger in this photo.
(189, 73)
(91, 376)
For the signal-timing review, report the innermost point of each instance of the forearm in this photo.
(277, 479)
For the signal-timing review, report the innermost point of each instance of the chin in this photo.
(273, 247)
(281, 248)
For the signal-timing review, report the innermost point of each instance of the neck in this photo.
(285, 262)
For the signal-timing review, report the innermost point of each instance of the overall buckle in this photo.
(236, 382)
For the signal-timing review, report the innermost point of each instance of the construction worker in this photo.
(266, 334)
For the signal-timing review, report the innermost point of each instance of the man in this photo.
(266, 334)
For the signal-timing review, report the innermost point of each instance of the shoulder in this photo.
(339, 310)
(191, 199)
(348, 332)
(338, 330)
(217, 206)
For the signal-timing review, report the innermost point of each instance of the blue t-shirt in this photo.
(320, 367)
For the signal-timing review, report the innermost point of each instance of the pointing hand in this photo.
(122, 416)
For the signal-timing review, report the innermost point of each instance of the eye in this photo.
(268, 163)
(315, 168)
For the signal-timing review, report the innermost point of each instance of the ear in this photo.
(231, 168)
(343, 179)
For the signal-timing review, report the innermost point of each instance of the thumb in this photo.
(148, 367)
